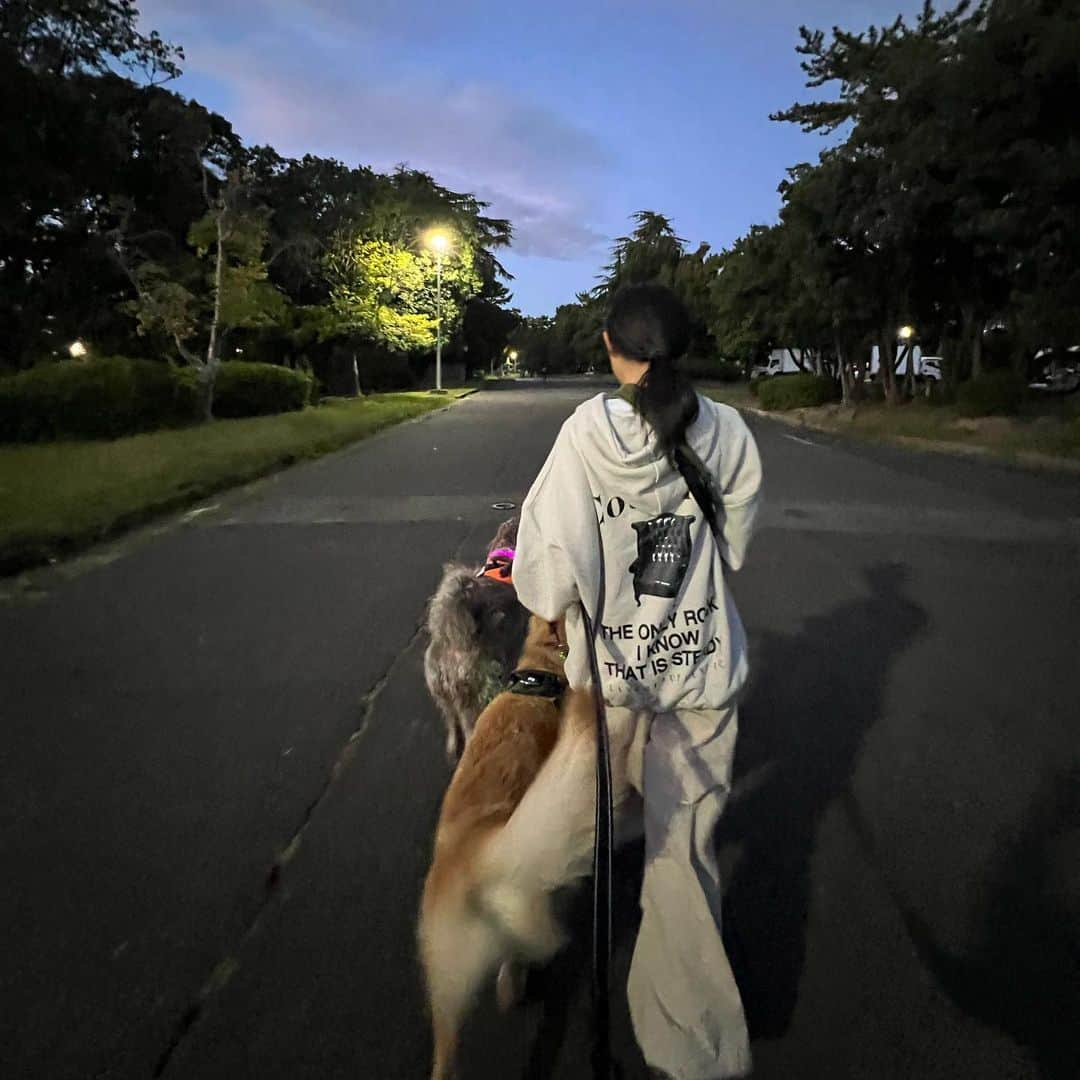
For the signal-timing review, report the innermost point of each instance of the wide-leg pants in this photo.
(687, 1013)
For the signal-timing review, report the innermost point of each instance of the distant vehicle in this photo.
(781, 362)
(1059, 378)
(926, 367)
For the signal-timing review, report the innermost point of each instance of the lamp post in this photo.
(438, 241)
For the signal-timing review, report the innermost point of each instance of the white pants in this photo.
(685, 1006)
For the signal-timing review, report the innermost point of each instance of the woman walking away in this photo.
(646, 500)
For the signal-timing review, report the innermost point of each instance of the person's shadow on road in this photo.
(813, 697)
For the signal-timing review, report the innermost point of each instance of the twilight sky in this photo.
(566, 115)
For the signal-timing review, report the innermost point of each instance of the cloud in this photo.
(328, 84)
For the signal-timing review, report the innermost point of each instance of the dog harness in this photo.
(535, 683)
(499, 566)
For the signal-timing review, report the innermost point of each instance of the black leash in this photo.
(603, 1065)
(604, 846)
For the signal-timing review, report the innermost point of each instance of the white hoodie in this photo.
(668, 632)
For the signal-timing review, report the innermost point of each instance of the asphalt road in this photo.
(220, 775)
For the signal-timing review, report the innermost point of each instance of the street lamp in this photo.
(77, 350)
(906, 333)
(438, 241)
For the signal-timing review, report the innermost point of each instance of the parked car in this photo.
(1060, 380)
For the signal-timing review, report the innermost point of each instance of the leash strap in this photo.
(603, 848)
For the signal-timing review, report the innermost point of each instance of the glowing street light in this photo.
(906, 333)
(77, 350)
(439, 242)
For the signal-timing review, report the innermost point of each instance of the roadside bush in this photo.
(941, 394)
(710, 369)
(797, 391)
(245, 388)
(1000, 393)
(381, 369)
(102, 398)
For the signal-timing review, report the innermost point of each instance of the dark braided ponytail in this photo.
(650, 323)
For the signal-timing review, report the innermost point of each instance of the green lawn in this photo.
(57, 497)
(1048, 431)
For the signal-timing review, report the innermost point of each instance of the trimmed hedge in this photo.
(381, 370)
(1000, 393)
(247, 388)
(710, 369)
(95, 399)
(798, 391)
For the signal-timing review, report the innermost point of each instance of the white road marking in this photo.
(805, 442)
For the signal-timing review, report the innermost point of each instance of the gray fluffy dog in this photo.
(477, 628)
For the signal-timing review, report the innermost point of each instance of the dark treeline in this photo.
(951, 205)
(136, 221)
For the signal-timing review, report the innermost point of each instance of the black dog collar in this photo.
(536, 683)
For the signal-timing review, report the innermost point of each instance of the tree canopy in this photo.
(948, 200)
(117, 192)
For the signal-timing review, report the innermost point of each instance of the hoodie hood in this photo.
(618, 443)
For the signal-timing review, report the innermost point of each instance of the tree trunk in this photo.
(887, 366)
(846, 380)
(910, 389)
(205, 384)
(969, 335)
(977, 351)
(213, 346)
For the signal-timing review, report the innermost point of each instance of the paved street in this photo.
(220, 775)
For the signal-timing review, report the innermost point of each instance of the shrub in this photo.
(999, 393)
(245, 388)
(381, 369)
(710, 369)
(874, 391)
(796, 391)
(94, 399)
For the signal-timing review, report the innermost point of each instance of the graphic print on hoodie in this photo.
(663, 555)
(609, 523)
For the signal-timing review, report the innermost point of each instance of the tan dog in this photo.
(516, 825)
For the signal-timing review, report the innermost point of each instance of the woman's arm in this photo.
(739, 484)
(545, 575)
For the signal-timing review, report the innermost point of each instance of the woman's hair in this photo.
(650, 323)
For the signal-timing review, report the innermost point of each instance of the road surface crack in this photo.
(226, 968)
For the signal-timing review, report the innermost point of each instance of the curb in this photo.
(170, 513)
(1028, 460)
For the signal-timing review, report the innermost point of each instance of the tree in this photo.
(199, 305)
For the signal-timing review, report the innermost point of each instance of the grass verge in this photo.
(58, 497)
(736, 394)
(1048, 435)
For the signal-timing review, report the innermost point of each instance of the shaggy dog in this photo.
(516, 826)
(476, 627)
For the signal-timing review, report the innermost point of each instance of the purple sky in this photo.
(566, 116)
